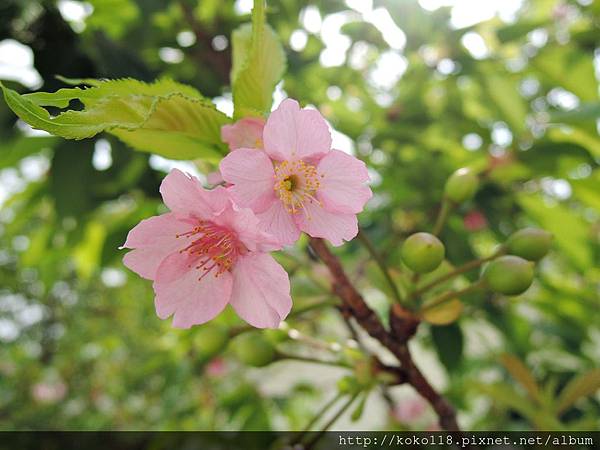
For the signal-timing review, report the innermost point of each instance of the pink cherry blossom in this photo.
(245, 133)
(298, 183)
(205, 253)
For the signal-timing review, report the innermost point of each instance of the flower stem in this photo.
(316, 305)
(381, 264)
(309, 359)
(326, 407)
(453, 273)
(442, 216)
(452, 294)
(330, 422)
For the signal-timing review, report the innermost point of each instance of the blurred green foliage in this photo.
(517, 101)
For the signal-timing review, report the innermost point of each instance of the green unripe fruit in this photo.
(461, 185)
(211, 339)
(509, 275)
(422, 252)
(529, 243)
(254, 349)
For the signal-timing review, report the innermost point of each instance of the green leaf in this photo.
(445, 313)
(581, 386)
(567, 67)
(522, 374)
(165, 117)
(570, 231)
(449, 343)
(505, 395)
(583, 113)
(504, 94)
(517, 30)
(87, 254)
(258, 65)
(13, 151)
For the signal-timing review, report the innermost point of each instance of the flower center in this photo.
(216, 248)
(296, 182)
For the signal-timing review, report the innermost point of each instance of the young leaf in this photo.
(258, 64)
(165, 117)
(522, 374)
(581, 386)
(443, 314)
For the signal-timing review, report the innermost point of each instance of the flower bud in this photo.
(509, 275)
(210, 340)
(422, 252)
(529, 243)
(461, 185)
(254, 349)
(348, 385)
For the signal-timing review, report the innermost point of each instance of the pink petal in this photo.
(214, 178)
(335, 227)
(343, 187)
(294, 133)
(251, 173)
(192, 301)
(246, 132)
(278, 222)
(157, 230)
(153, 240)
(184, 194)
(261, 290)
(145, 261)
(246, 226)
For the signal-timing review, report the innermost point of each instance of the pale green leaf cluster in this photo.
(165, 117)
(258, 65)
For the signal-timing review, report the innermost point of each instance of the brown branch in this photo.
(403, 325)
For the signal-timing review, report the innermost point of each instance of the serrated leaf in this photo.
(523, 375)
(581, 386)
(444, 313)
(258, 65)
(165, 117)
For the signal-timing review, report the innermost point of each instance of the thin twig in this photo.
(446, 296)
(381, 263)
(330, 422)
(453, 273)
(326, 407)
(309, 359)
(445, 210)
(366, 317)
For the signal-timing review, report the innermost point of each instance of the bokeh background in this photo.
(417, 89)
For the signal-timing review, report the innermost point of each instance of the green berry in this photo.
(461, 185)
(509, 275)
(210, 340)
(254, 349)
(529, 243)
(422, 252)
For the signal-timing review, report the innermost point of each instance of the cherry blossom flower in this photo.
(205, 253)
(298, 183)
(246, 132)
